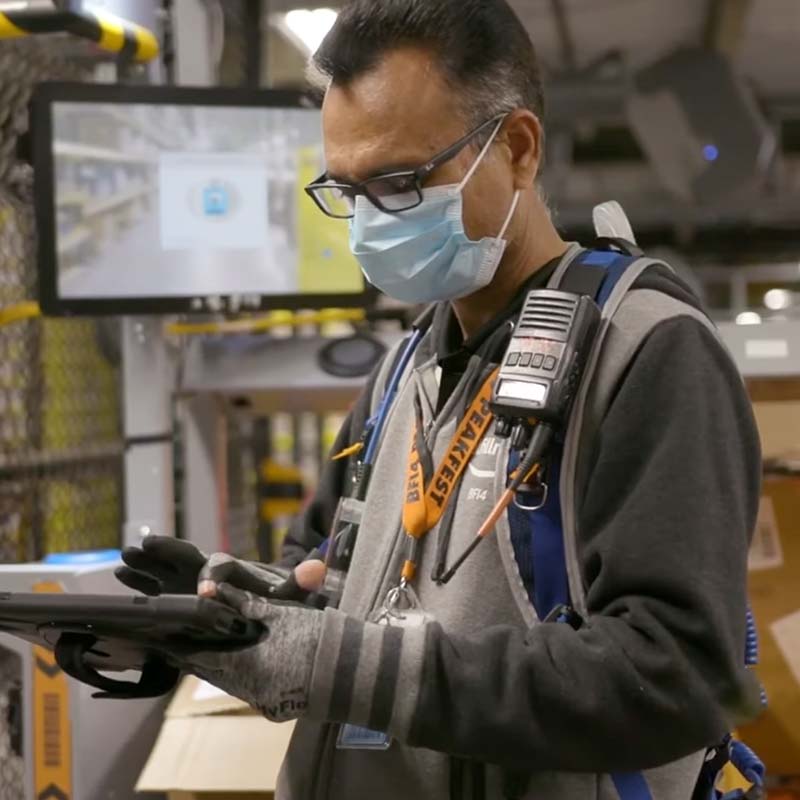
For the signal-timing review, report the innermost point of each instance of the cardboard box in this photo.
(775, 579)
(779, 427)
(213, 747)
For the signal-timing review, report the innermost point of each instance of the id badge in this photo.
(352, 737)
(344, 528)
(401, 609)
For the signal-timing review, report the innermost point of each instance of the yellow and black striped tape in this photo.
(108, 31)
(281, 491)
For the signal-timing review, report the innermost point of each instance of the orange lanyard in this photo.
(425, 504)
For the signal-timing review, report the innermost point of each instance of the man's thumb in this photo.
(310, 575)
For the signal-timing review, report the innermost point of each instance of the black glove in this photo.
(162, 565)
(262, 580)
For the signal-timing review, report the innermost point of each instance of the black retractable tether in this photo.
(157, 677)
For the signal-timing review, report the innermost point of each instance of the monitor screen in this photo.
(153, 199)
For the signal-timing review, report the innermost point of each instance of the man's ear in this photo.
(523, 135)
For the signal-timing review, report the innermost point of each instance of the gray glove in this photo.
(274, 675)
(264, 580)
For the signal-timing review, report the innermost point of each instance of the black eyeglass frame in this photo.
(418, 176)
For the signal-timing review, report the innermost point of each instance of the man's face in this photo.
(399, 115)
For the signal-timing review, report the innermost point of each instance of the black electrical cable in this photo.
(540, 441)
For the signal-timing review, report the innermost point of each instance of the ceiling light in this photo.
(778, 299)
(748, 318)
(309, 27)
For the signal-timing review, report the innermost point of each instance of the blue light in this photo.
(710, 152)
(82, 559)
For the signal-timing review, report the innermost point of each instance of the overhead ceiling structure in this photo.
(678, 110)
(625, 122)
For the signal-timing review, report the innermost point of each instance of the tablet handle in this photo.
(158, 677)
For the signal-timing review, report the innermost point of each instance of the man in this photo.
(433, 133)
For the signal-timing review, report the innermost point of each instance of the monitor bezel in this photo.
(50, 301)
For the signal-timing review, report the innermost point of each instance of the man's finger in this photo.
(233, 597)
(167, 557)
(211, 574)
(138, 581)
(222, 568)
(172, 550)
(247, 604)
(142, 562)
(310, 575)
(289, 591)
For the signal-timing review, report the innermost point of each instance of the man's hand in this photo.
(162, 565)
(259, 579)
(165, 565)
(274, 675)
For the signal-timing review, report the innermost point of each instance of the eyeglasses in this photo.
(392, 192)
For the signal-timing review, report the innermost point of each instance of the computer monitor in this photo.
(161, 200)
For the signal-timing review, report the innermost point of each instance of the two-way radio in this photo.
(539, 378)
(542, 368)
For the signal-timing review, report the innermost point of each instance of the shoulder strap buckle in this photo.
(565, 614)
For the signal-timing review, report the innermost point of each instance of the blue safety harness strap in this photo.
(542, 560)
(596, 274)
(541, 557)
(631, 786)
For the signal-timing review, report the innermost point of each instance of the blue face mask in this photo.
(424, 254)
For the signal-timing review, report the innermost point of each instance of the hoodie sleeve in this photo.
(657, 671)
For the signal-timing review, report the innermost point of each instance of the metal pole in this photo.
(197, 31)
(262, 451)
(148, 383)
(252, 42)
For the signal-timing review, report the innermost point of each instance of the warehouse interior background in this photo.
(685, 112)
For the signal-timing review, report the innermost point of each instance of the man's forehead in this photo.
(399, 113)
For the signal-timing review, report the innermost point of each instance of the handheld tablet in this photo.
(90, 634)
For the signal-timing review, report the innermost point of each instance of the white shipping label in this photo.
(765, 551)
(786, 632)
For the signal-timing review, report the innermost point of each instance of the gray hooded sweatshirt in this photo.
(479, 698)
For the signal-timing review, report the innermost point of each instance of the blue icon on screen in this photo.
(216, 201)
(710, 152)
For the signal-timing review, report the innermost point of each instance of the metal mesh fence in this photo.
(60, 441)
(12, 767)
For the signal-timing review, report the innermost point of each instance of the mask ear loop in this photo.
(514, 204)
(481, 155)
(474, 167)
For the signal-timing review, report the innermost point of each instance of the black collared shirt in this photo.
(454, 352)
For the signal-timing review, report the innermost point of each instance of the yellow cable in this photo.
(19, 312)
(31, 309)
(260, 324)
(349, 451)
